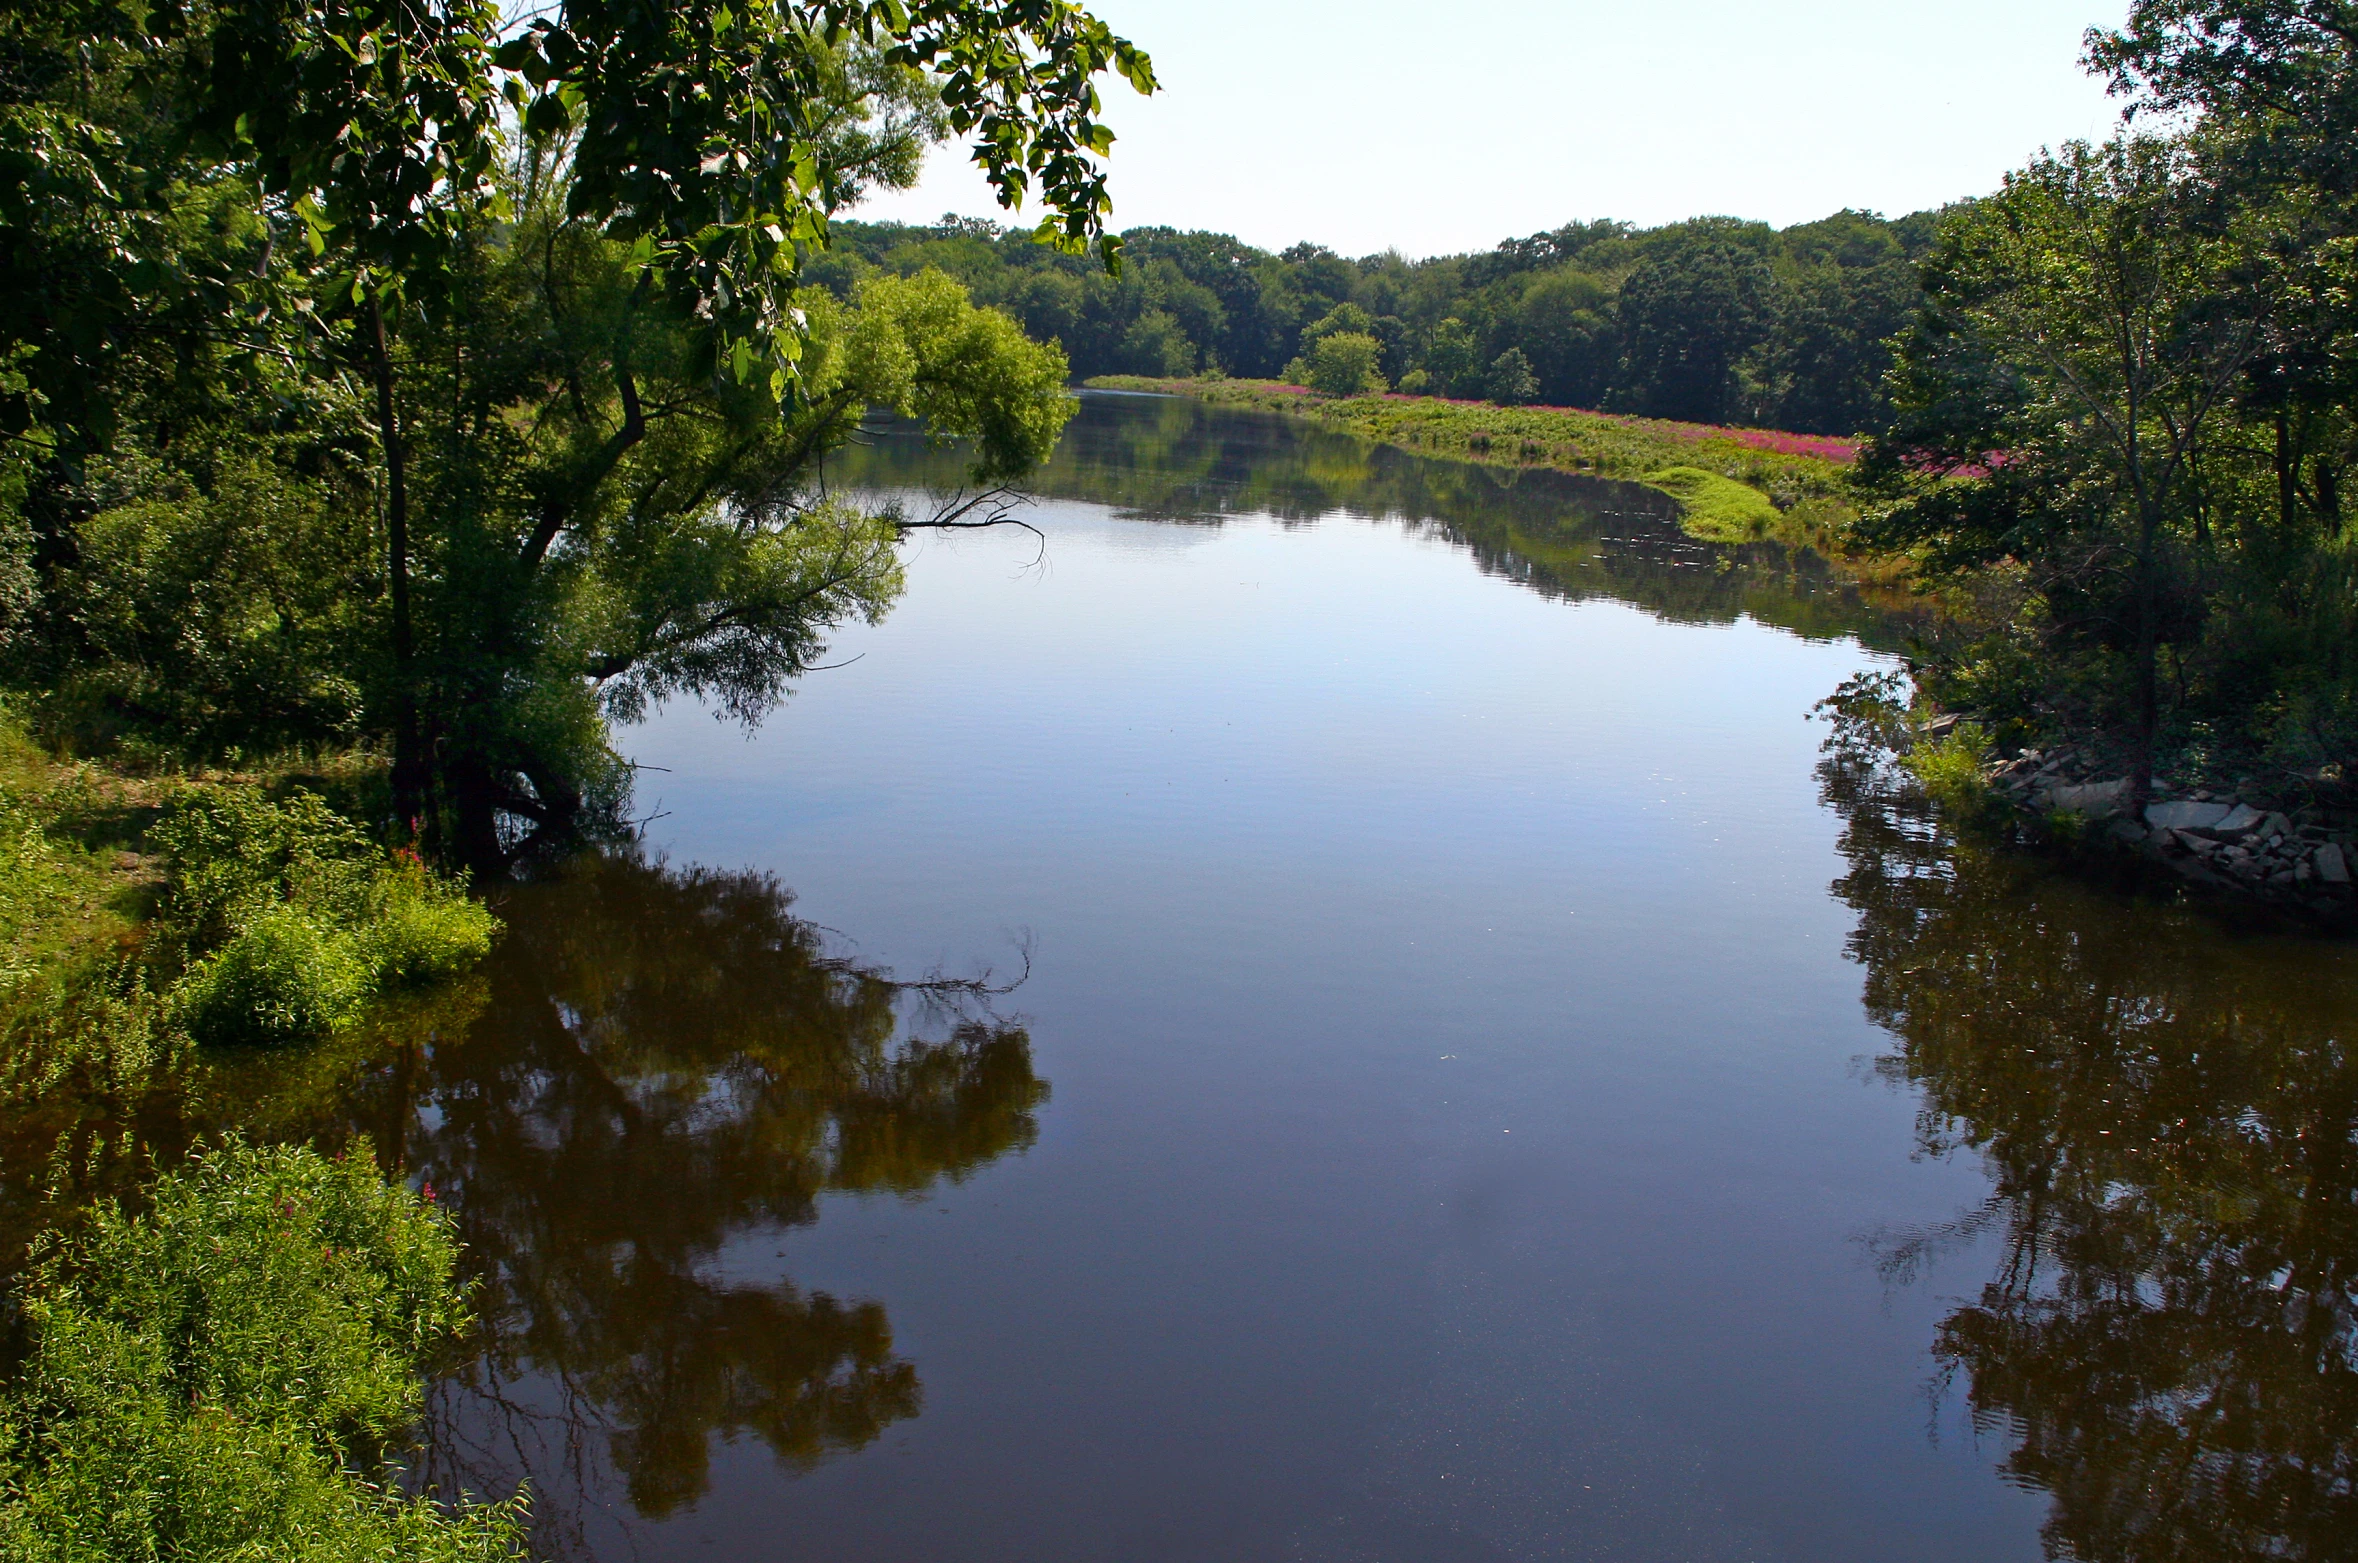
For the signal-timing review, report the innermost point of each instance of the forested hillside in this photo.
(1714, 320)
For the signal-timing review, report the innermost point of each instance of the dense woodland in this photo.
(1716, 320)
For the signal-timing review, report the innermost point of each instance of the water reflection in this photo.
(1574, 538)
(2170, 1339)
(658, 1072)
(669, 1064)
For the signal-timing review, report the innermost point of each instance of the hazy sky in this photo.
(1436, 127)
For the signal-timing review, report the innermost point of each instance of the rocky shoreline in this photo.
(2293, 854)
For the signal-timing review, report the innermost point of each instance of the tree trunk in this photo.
(409, 771)
(2288, 475)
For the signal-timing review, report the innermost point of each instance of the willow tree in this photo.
(552, 275)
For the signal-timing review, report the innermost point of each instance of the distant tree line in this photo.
(1715, 320)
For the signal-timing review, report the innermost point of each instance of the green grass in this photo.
(1715, 508)
(1732, 485)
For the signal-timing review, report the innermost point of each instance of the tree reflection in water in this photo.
(669, 1064)
(2166, 1109)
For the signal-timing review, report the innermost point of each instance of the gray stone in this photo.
(2184, 815)
(2276, 825)
(2332, 867)
(2096, 800)
(2243, 817)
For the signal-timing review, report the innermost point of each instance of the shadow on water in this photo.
(2168, 1343)
(1574, 538)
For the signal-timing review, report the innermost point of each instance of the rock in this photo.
(2276, 825)
(2096, 800)
(2240, 819)
(2125, 830)
(2185, 816)
(2332, 867)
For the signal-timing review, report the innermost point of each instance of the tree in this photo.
(1688, 316)
(1510, 381)
(2084, 329)
(1346, 363)
(541, 261)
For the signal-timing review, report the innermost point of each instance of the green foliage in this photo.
(215, 1378)
(282, 979)
(1510, 382)
(1953, 770)
(1728, 321)
(292, 919)
(1343, 364)
(2115, 446)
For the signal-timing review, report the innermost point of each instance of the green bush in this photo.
(292, 918)
(1951, 769)
(216, 1379)
(1344, 364)
(422, 928)
(281, 980)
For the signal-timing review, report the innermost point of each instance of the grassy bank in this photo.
(1732, 485)
(221, 1344)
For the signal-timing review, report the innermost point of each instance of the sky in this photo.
(1437, 126)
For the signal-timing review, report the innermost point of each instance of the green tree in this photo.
(1346, 363)
(1688, 316)
(1510, 381)
(2084, 330)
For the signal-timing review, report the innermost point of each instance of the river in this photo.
(1482, 1084)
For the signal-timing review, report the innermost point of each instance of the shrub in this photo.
(423, 928)
(214, 1379)
(1511, 382)
(281, 980)
(1344, 364)
(233, 850)
(294, 918)
(1951, 769)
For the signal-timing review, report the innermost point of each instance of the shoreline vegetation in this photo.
(1732, 485)
(393, 400)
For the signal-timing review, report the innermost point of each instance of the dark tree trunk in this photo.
(409, 769)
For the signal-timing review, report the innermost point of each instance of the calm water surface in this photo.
(1484, 1088)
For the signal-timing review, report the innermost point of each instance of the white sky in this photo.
(1372, 124)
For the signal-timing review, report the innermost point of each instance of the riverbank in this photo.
(2288, 846)
(1732, 485)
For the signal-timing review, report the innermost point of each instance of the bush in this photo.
(423, 928)
(1951, 769)
(1344, 364)
(281, 980)
(304, 917)
(215, 1379)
